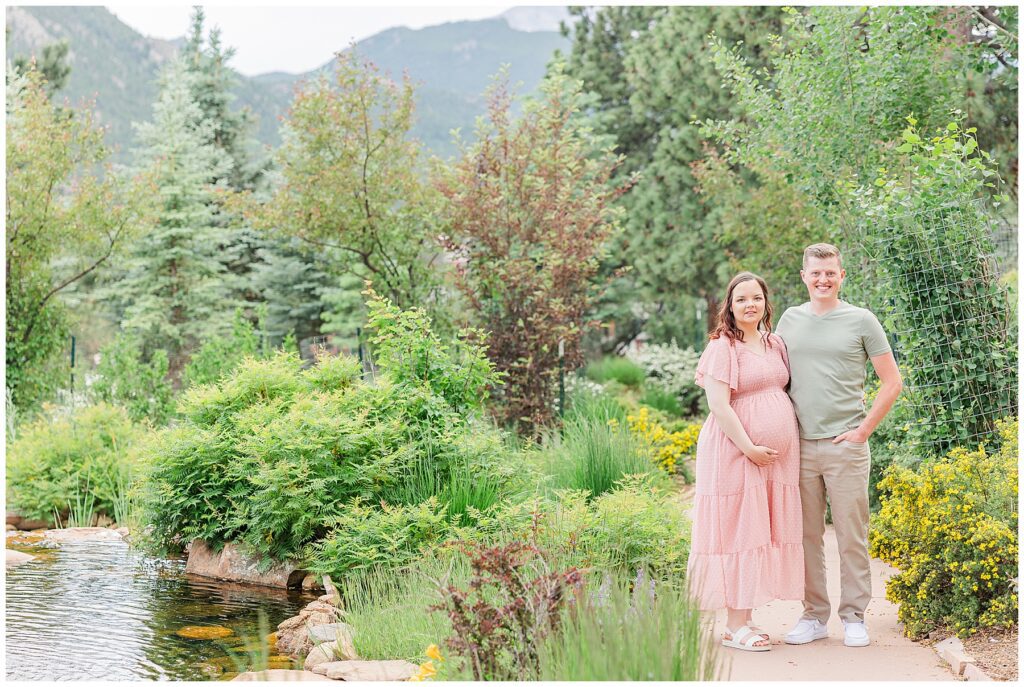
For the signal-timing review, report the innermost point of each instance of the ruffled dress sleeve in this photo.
(718, 361)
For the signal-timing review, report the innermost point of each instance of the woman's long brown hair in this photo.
(727, 321)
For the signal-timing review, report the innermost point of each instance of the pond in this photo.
(102, 610)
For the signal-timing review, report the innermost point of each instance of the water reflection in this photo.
(100, 610)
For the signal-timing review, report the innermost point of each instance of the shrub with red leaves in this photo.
(512, 604)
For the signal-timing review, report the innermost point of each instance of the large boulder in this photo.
(17, 557)
(25, 525)
(13, 518)
(233, 564)
(368, 671)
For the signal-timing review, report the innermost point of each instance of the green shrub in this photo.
(649, 632)
(637, 525)
(616, 368)
(930, 236)
(404, 345)
(951, 530)
(274, 456)
(125, 379)
(220, 355)
(659, 399)
(366, 537)
(58, 464)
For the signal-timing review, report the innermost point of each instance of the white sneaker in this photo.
(805, 631)
(855, 634)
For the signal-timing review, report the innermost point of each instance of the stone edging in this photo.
(951, 650)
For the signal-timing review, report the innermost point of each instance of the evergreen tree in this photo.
(52, 65)
(212, 89)
(651, 76)
(262, 268)
(175, 291)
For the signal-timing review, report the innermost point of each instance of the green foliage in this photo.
(365, 537)
(64, 219)
(638, 526)
(671, 369)
(834, 93)
(989, 53)
(951, 530)
(839, 81)
(651, 77)
(221, 354)
(614, 367)
(404, 344)
(53, 65)
(278, 457)
(212, 87)
(659, 399)
(351, 182)
(592, 455)
(530, 207)
(141, 387)
(84, 460)
(929, 236)
(640, 633)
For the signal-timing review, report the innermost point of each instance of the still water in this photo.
(101, 610)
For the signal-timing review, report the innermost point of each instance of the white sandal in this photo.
(746, 639)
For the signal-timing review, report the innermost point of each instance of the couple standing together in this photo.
(788, 426)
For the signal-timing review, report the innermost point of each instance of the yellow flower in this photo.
(434, 652)
(427, 671)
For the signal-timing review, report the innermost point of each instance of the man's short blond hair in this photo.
(822, 250)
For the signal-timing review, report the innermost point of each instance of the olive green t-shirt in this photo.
(827, 357)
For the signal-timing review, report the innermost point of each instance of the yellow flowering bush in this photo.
(951, 530)
(668, 449)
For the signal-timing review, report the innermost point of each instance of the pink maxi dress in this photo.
(746, 545)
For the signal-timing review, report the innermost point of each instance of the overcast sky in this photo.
(292, 39)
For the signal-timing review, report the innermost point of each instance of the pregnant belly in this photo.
(768, 418)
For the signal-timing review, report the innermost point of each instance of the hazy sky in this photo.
(292, 39)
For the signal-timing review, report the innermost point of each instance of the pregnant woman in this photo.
(746, 547)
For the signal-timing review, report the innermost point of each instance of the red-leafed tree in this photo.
(530, 212)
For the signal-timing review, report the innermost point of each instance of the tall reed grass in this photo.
(81, 508)
(591, 454)
(652, 632)
(388, 609)
(458, 486)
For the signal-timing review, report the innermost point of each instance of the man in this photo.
(829, 341)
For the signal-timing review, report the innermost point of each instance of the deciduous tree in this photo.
(530, 206)
(63, 221)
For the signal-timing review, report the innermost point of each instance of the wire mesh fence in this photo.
(952, 321)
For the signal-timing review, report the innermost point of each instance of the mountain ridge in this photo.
(450, 63)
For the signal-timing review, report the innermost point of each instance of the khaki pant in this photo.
(840, 471)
